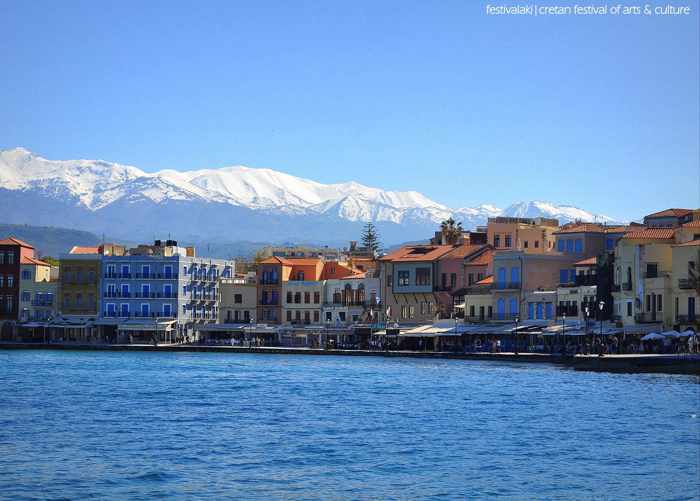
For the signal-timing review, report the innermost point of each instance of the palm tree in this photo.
(451, 231)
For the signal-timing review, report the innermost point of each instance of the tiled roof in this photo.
(462, 251)
(616, 229)
(671, 213)
(650, 234)
(15, 241)
(483, 259)
(591, 261)
(580, 228)
(84, 250)
(33, 260)
(692, 224)
(418, 253)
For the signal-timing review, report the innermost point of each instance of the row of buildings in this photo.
(642, 276)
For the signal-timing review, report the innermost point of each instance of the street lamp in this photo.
(515, 334)
(563, 325)
(588, 314)
(601, 305)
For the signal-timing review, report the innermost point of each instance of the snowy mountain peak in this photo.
(96, 186)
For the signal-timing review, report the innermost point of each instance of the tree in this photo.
(370, 238)
(451, 231)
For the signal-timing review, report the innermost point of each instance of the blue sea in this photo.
(117, 425)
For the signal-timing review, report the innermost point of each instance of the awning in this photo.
(146, 326)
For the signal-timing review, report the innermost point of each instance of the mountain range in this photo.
(226, 204)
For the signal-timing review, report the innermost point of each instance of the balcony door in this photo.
(691, 309)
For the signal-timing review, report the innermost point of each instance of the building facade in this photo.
(38, 290)
(238, 300)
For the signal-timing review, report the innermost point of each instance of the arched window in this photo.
(501, 308)
(361, 294)
(347, 294)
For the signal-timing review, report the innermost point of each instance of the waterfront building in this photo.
(79, 286)
(12, 252)
(578, 299)
(464, 265)
(642, 286)
(478, 300)
(38, 290)
(301, 301)
(408, 277)
(517, 274)
(160, 291)
(530, 235)
(685, 284)
(238, 299)
(351, 300)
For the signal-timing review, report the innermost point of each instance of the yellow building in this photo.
(531, 235)
(79, 288)
(685, 282)
(642, 289)
(37, 291)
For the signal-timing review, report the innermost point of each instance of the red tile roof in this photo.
(462, 251)
(33, 260)
(591, 261)
(616, 229)
(15, 241)
(580, 228)
(418, 253)
(671, 213)
(692, 224)
(650, 234)
(84, 250)
(483, 259)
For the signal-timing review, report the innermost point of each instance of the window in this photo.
(509, 241)
(578, 246)
(490, 311)
(167, 310)
(648, 302)
(403, 278)
(307, 297)
(289, 297)
(629, 309)
(537, 244)
(10, 281)
(146, 271)
(26, 296)
(168, 271)
(563, 276)
(404, 312)
(470, 280)
(145, 310)
(569, 246)
(652, 270)
(390, 280)
(300, 276)
(560, 245)
(497, 241)
(289, 315)
(238, 298)
(26, 275)
(167, 290)
(10, 257)
(500, 309)
(501, 277)
(78, 299)
(422, 276)
(609, 244)
(125, 270)
(145, 290)
(297, 316)
(472, 312)
(317, 297)
(246, 316)
(513, 306)
(124, 311)
(525, 244)
(411, 311)
(443, 280)
(316, 316)
(515, 275)
(297, 297)
(453, 280)
(329, 316)
(111, 310)
(659, 303)
(2, 281)
(307, 317)
(2, 258)
(341, 316)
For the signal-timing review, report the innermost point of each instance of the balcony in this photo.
(269, 281)
(686, 319)
(687, 283)
(584, 280)
(477, 319)
(507, 285)
(648, 317)
(42, 303)
(569, 311)
(117, 294)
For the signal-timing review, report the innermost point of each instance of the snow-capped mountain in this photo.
(214, 203)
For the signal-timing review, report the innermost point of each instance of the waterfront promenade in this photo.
(627, 363)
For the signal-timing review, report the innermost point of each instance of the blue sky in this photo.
(437, 97)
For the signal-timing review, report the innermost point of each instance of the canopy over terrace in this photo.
(147, 329)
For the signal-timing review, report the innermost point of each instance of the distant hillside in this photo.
(49, 240)
(52, 241)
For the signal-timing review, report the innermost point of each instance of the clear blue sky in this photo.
(431, 96)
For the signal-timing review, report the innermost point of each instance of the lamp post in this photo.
(515, 335)
(588, 313)
(601, 305)
(563, 325)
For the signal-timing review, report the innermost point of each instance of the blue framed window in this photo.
(560, 245)
(563, 276)
(531, 311)
(609, 244)
(569, 246)
(539, 311)
(578, 246)
(548, 311)
(501, 277)
(501, 308)
(513, 306)
(515, 275)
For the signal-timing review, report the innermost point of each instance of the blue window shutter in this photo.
(560, 245)
(569, 246)
(539, 310)
(578, 246)
(531, 311)
(572, 275)
(513, 306)
(563, 276)
(501, 276)
(515, 275)
(548, 311)
(501, 308)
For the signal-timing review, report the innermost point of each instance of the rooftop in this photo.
(591, 261)
(418, 253)
(692, 243)
(15, 241)
(671, 213)
(581, 228)
(33, 260)
(84, 250)
(650, 234)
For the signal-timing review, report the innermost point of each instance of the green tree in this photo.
(370, 238)
(451, 231)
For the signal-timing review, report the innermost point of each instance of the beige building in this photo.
(351, 300)
(302, 302)
(238, 300)
(531, 235)
(38, 290)
(685, 283)
(478, 301)
(642, 279)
